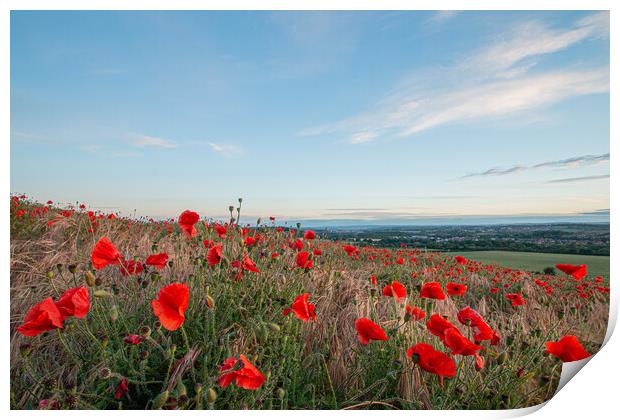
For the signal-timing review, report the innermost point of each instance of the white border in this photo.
(592, 395)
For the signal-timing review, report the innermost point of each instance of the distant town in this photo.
(561, 238)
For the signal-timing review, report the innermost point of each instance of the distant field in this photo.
(534, 261)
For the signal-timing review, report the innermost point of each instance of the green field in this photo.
(534, 261)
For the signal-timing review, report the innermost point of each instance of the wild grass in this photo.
(314, 365)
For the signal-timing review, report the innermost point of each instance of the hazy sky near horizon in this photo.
(321, 115)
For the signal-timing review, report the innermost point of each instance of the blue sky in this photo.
(314, 115)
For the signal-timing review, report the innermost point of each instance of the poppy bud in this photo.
(50, 275)
(407, 317)
(160, 400)
(157, 325)
(211, 395)
(89, 278)
(181, 388)
(59, 267)
(502, 358)
(144, 354)
(210, 302)
(267, 374)
(98, 281)
(154, 276)
(173, 348)
(274, 327)
(281, 393)
(72, 268)
(198, 388)
(25, 350)
(113, 313)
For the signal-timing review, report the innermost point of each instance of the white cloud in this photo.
(227, 150)
(141, 140)
(498, 81)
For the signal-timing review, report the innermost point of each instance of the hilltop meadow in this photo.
(194, 313)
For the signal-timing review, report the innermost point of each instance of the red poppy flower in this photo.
(432, 361)
(432, 290)
(567, 348)
(74, 302)
(396, 289)
(576, 271)
(303, 260)
(249, 241)
(460, 260)
(309, 235)
(482, 331)
(214, 255)
(104, 253)
(368, 330)
(131, 267)
(220, 230)
(456, 289)
(438, 325)
(133, 339)
(516, 299)
(415, 313)
(301, 308)
(43, 316)
(158, 261)
(316, 251)
(247, 264)
(208, 243)
(248, 377)
(459, 344)
(170, 305)
(187, 220)
(121, 389)
(350, 249)
(297, 245)
(373, 279)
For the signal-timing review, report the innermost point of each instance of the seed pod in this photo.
(502, 358)
(72, 268)
(145, 331)
(160, 400)
(105, 373)
(89, 278)
(281, 393)
(101, 293)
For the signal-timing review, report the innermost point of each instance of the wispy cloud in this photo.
(577, 179)
(498, 81)
(573, 162)
(442, 16)
(90, 148)
(227, 150)
(141, 140)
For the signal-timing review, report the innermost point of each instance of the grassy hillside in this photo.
(533, 261)
(118, 349)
